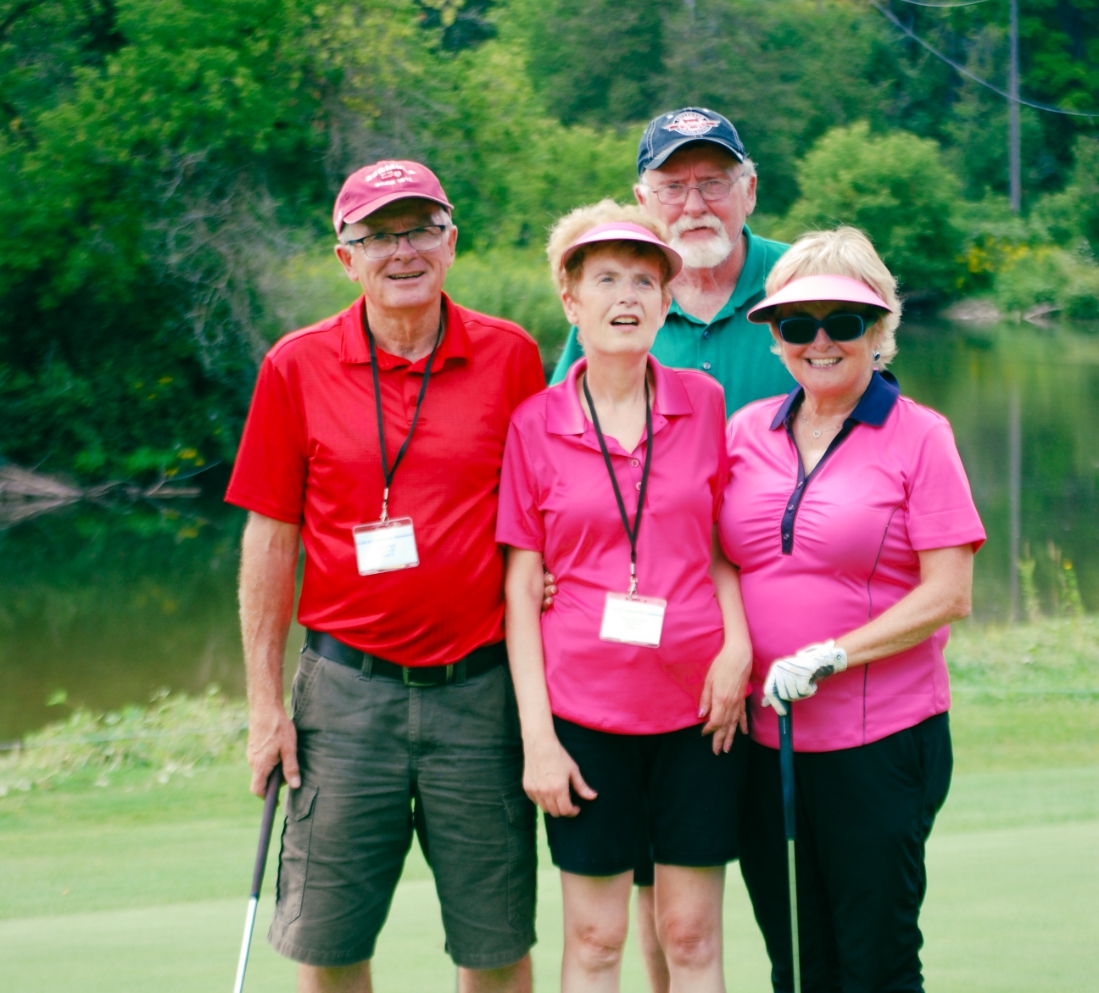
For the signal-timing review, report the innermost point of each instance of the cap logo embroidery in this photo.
(692, 123)
(389, 174)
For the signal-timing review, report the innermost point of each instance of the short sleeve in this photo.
(519, 520)
(941, 512)
(532, 377)
(271, 465)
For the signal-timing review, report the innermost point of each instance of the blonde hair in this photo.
(846, 251)
(583, 219)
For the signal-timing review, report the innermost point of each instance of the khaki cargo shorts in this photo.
(380, 760)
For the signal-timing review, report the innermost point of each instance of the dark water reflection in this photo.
(108, 606)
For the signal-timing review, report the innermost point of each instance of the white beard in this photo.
(706, 254)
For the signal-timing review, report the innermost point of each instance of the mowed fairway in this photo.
(141, 887)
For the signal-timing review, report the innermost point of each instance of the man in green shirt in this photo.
(695, 176)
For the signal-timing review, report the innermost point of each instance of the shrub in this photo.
(513, 285)
(897, 189)
(173, 734)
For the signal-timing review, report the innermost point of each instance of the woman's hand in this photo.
(549, 589)
(723, 697)
(795, 677)
(548, 772)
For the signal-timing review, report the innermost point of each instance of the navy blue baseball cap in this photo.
(669, 132)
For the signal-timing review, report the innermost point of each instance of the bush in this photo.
(172, 735)
(897, 189)
(1073, 213)
(513, 285)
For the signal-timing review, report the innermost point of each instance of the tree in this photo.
(897, 189)
(596, 62)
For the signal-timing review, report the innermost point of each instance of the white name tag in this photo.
(636, 621)
(385, 546)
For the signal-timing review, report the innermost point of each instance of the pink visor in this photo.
(818, 289)
(624, 231)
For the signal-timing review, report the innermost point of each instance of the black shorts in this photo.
(863, 818)
(672, 784)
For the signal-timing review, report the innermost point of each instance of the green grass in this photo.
(141, 885)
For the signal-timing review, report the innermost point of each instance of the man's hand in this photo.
(272, 738)
(548, 771)
(795, 677)
(723, 700)
(549, 590)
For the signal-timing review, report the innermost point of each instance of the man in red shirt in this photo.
(376, 438)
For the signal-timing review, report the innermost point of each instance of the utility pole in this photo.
(1014, 492)
(1015, 184)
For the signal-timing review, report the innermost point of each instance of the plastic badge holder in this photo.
(385, 546)
(633, 620)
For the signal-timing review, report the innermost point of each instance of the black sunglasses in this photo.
(801, 329)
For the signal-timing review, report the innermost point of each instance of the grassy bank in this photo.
(139, 882)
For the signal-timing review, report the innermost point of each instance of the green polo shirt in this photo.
(737, 354)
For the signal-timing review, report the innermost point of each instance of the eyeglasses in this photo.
(801, 329)
(709, 189)
(384, 244)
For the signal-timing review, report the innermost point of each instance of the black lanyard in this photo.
(631, 533)
(386, 471)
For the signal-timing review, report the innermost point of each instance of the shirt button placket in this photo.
(705, 347)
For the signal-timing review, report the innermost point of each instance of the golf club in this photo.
(274, 782)
(786, 767)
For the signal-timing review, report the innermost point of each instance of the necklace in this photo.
(815, 432)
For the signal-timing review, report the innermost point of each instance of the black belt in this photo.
(476, 662)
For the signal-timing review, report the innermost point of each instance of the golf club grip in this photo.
(274, 783)
(786, 768)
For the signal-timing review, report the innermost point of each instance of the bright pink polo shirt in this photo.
(823, 555)
(556, 498)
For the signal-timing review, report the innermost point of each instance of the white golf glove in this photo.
(795, 677)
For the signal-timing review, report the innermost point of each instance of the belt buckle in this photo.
(414, 683)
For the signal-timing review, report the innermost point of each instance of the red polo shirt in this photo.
(310, 456)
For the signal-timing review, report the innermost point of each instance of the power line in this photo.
(965, 3)
(890, 16)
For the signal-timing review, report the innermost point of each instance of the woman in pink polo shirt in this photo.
(613, 479)
(850, 519)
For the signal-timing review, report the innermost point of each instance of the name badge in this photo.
(385, 546)
(636, 620)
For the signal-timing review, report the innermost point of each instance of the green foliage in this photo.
(595, 61)
(897, 189)
(513, 285)
(170, 736)
(784, 73)
(1073, 213)
(163, 163)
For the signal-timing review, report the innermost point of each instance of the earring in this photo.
(877, 355)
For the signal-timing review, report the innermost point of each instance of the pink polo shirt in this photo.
(556, 498)
(821, 556)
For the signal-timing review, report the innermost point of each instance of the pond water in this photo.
(103, 606)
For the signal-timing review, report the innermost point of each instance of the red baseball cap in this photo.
(372, 187)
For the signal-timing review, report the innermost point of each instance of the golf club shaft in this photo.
(794, 946)
(271, 799)
(786, 768)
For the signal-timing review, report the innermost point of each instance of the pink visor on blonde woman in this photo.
(818, 289)
(623, 231)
